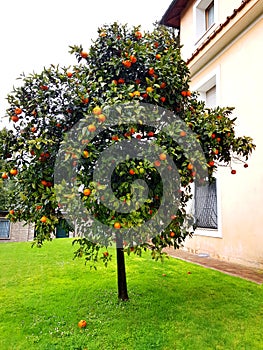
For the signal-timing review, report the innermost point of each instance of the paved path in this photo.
(251, 274)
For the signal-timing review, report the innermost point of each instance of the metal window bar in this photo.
(206, 206)
(4, 228)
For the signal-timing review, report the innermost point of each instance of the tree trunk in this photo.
(122, 284)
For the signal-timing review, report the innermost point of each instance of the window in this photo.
(206, 202)
(205, 206)
(205, 13)
(4, 228)
(209, 15)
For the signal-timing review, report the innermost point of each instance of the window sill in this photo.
(204, 35)
(214, 233)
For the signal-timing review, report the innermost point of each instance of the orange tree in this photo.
(128, 92)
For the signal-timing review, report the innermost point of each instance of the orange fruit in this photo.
(44, 87)
(138, 35)
(182, 133)
(127, 63)
(85, 100)
(157, 163)
(151, 71)
(69, 74)
(133, 59)
(172, 234)
(149, 89)
(136, 93)
(13, 172)
(15, 118)
(102, 118)
(33, 129)
(97, 110)
(18, 111)
(190, 166)
(84, 54)
(117, 225)
(132, 172)
(85, 154)
(163, 99)
(43, 219)
(44, 182)
(103, 34)
(92, 128)
(11, 212)
(121, 81)
(163, 85)
(86, 192)
(158, 56)
(184, 93)
(82, 324)
(105, 254)
(4, 176)
(162, 156)
(211, 163)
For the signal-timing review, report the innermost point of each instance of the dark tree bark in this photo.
(121, 272)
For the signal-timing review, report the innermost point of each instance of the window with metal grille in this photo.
(4, 228)
(205, 206)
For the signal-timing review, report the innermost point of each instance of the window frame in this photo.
(199, 20)
(204, 85)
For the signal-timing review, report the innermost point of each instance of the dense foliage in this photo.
(122, 66)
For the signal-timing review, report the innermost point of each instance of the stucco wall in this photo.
(240, 85)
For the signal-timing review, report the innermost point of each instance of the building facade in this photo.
(222, 46)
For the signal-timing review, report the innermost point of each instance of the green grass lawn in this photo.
(44, 293)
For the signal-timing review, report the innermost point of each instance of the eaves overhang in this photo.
(172, 16)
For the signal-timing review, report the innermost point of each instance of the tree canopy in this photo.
(130, 89)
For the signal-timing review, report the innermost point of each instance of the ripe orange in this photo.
(132, 172)
(127, 63)
(183, 93)
(149, 89)
(163, 85)
(215, 151)
(102, 118)
(86, 192)
(85, 154)
(172, 234)
(136, 93)
(131, 94)
(133, 59)
(44, 182)
(145, 96)
(150, 134)
(211, 163)
(91, 128)
(117, 225)
(162, 156)
(114, 82)
(103, 34)
(151, 71)
(82, 324)
(190, 166)
(38, 207)
(84, 54)
(182, 133)
(11, 212)
(138, 35)
(162, 99)
(15, 118)
(43, 219)
(121, 81)
(188, 93)
(33, 129)
(4, 176)
(158, 56)
(157, 163)
(69, 74)
(97, 110)
(115, 138)
(13, 172)
(85, 100)
(18, 111)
